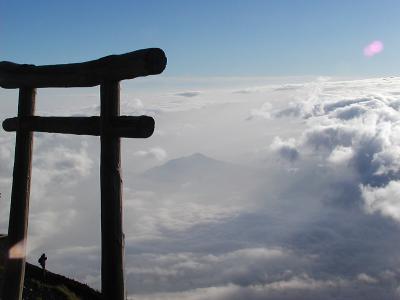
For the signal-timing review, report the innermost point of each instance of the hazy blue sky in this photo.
(202, 38)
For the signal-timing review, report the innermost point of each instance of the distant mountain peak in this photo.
(195, 158)
(197, 155)
(181, 166)
(201, 171)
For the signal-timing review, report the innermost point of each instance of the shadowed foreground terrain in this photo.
(55, 286)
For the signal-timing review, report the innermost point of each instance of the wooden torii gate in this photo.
(110, 126)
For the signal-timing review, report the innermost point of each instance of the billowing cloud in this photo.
(263, 112)
(361, 134)
(341, 155)
(286, 149)
(157, 153)
(385, 200)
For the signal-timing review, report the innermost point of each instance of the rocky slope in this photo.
(49, 287)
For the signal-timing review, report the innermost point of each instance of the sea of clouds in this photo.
(295, 194)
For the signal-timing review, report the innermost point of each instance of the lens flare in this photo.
(373, 48)
(17, 251)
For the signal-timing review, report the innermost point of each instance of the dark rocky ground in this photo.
(49, 287)
(54, 286)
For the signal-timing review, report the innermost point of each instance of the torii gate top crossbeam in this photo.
(138, 63)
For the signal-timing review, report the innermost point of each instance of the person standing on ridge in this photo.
(42, 261)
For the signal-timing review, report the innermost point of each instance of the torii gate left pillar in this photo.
(19, 210)
(106, 72)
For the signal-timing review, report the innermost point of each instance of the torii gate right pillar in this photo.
(112, 236)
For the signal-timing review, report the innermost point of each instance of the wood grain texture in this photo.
(138, 63)
(19, 209)
(121, 126)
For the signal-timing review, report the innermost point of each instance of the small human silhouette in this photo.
(42, 261)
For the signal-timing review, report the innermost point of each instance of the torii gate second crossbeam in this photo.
(110, 126)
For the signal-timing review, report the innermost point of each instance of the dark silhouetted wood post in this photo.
(19, 210)
(112, 237)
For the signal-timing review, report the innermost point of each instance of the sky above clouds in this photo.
(273, 171)
(209, 38)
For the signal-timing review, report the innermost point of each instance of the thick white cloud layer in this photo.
(286, 149)
(357, 132)
(301, 200)
(384, 199)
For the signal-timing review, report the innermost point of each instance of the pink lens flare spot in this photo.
(374, 48)
(17, 251)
